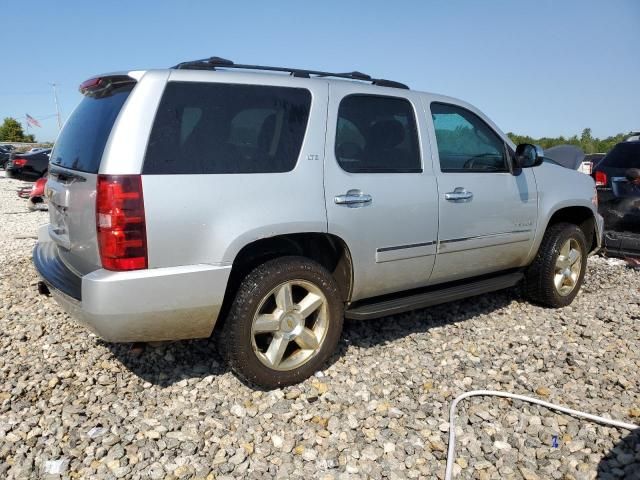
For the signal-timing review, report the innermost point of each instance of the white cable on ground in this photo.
(495, 393)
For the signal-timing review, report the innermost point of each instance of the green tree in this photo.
(587, 142)
(11, 131)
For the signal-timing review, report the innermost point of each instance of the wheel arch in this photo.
(581, 215)
(328, 250)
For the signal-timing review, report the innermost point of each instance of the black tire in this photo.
(235, 339)
(538, 285)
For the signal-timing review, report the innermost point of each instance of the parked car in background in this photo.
(273, 205)
(618, 186)
(34, 193)
(28, 166)
(592, 159)
(570, 156)
(633, 137)
(37, 197)
(5, 153)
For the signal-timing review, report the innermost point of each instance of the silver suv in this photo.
(270, 203)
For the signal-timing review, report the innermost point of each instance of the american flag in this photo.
(33, 121)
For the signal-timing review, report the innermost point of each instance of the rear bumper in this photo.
(143, 305)
(20, 174)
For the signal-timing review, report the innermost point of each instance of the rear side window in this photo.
(227, 128)
(623, 155)
(465, 142)
(377, 135)
(81, 143)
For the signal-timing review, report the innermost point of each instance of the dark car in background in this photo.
(28, 166)
(5, 153)
(617, 178)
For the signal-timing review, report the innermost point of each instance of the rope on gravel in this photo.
(451, 452)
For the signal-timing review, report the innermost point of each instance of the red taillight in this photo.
(120, 222)
(601, 179)
(88, 85)
(19, 162)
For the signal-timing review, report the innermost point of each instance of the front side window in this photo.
(377, 135)
(227, 128)
(465, 142)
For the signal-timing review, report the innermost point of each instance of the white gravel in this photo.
(72, 406)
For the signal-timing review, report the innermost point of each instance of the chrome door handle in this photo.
(459, 194)
(353, 199)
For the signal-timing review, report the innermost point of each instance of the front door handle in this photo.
(459, 194)
(353, 199)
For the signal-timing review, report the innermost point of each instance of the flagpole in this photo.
(55, 99)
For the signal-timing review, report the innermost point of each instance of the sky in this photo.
(538, 68)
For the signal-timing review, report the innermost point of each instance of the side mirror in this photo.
(528, 156)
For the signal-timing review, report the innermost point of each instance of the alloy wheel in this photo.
(568, 267)
(290, 325)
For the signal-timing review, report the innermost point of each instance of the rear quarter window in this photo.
(81, 143)
(211, 128)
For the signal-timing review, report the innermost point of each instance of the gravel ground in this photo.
(72, 406)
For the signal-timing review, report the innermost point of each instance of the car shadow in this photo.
(623, 460)
(168, 363)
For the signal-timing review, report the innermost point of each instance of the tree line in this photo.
(586, 141)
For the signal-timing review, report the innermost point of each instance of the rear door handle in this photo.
(459, 194)
(353, 199)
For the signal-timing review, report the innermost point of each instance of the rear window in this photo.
(623, 155)
(227, 128)
(81, 142)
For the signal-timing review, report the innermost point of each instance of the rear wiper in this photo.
(66, 177)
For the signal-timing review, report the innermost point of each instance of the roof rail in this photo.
(213, 62)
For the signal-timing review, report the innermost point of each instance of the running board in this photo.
(432, 297)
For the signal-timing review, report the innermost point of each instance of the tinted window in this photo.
(224, 128)
(81, 142)
(465, 142)
(377, 134)
(623, 155)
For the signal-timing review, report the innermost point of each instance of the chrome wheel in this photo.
(568, 267)
(290, 325)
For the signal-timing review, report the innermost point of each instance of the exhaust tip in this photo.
(43, 289)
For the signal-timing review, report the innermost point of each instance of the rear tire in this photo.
(556, 275)
(284, 324)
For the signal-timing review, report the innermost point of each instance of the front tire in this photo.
(284, 323)
(557, 273)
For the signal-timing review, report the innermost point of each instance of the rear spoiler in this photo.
(104, 85)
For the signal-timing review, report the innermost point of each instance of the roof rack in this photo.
(213, 62)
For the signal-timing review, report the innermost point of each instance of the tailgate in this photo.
(72, 218)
